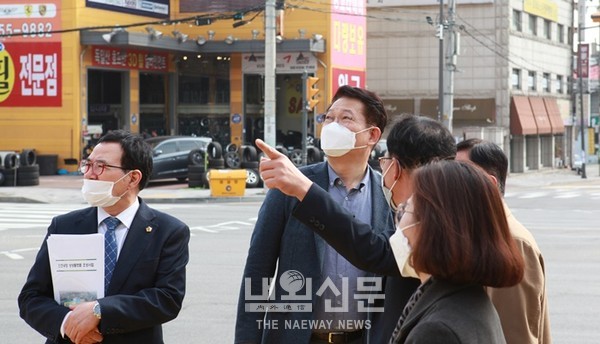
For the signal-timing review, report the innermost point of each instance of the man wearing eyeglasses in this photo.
(413, 141)
(146, 253)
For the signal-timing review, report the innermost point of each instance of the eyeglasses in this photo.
(383, 161)
(401, 211)
(97, 167)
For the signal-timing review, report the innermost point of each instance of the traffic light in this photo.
(311, 92)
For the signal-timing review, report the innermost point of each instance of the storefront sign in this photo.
(543, 8)
(395, 3)
(584, 53)
(30, 74)
(349, 34)
(342, 77)
(129, 59)
(22, 21)
(285, 63)
(30, 55)
(154, 8)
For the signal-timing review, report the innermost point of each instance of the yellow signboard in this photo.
(543, 8)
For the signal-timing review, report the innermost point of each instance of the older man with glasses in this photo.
(145, 256)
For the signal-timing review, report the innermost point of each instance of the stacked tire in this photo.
(19, 169)
(249, 161)
(214, 152)
(197, 169)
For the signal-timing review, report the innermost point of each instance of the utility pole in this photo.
(452, 46)
(581, 38)
(304, 115)
(270, 53)
(440, 35)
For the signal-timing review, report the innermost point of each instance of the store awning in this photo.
(137, 40)
(540, 115)
(521, 117)
(556, 120)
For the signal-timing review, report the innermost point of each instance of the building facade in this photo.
(512, 70)
(73, 69)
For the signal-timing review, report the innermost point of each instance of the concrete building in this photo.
(512, 70)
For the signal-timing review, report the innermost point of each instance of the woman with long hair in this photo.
(452, 234)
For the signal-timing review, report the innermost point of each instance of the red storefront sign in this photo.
(129, 59)
(342, 77)
(30, 74)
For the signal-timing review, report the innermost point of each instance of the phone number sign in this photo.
(22, 21)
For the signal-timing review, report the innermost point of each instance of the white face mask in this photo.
(387, 192)
(402, 251)
(98, 193)
(337, 140)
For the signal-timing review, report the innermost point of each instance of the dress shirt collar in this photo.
(126, 216)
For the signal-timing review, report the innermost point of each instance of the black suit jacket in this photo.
(365, 248)
(147, 287)
(280, 243)
(450, 313)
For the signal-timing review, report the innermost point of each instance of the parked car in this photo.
(377, 152)
(173, 154)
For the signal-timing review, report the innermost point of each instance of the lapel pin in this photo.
(148, 229)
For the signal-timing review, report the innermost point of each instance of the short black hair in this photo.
(490, 157)
(467, 144)
(137, 154)
(415, 141)
(375, 112)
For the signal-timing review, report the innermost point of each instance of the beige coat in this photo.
(523, 309)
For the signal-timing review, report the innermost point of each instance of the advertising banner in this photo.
(30, 74)
(30, 54)
(348, 43)
(129, 59)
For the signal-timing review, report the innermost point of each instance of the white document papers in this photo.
(77, 265)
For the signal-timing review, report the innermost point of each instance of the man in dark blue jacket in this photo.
(413, 141)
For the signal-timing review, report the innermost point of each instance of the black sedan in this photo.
(173, 154)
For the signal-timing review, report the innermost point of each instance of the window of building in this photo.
(222, 96)
(516, 79)
(547, 29)
(570, 36)
(152, 88)
(560, 32)
(546, 82)
(193, 89)
(559, 84)
(516, 24)
(533, 25)
(531, 82)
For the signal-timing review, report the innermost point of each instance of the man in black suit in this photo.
(413, 141)
(147, 283)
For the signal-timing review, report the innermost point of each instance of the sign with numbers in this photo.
(23, 21)
(129, 59)
(30, 54)
(30, 74)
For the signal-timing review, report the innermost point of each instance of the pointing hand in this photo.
(278, 172)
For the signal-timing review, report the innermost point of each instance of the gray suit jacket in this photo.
(448, 313)
(280, 243)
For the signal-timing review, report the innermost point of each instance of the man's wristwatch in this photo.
(97, 311)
